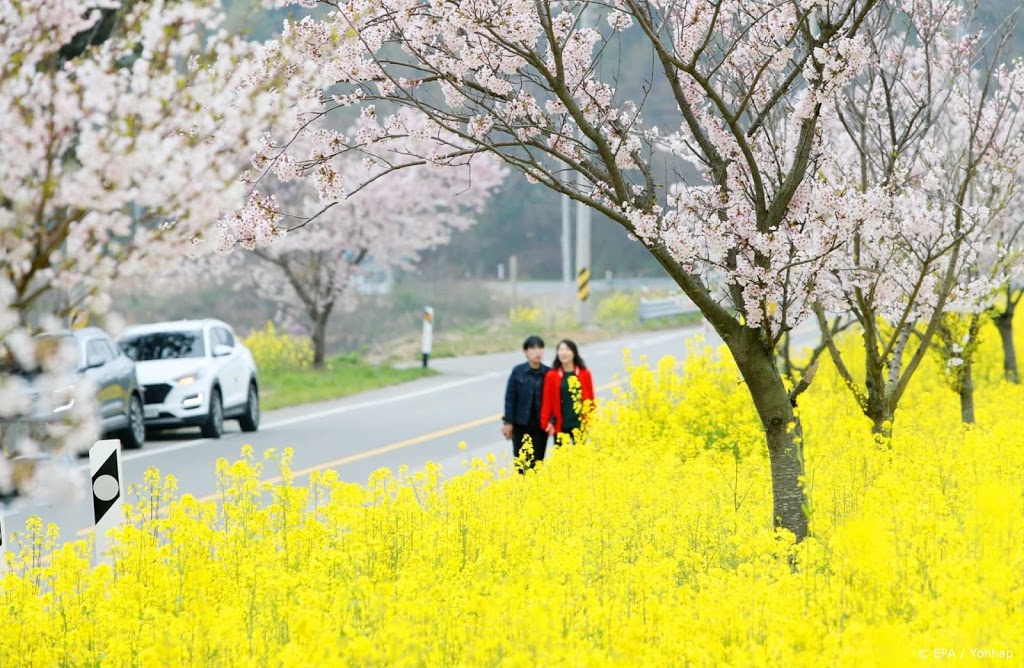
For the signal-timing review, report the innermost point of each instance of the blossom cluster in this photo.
(761, 189)
(125, 131)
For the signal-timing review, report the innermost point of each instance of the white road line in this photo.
(603, 348)
(655, 340)
(184, 445)
(388, 400)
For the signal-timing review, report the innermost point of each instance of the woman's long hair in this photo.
(576, 359)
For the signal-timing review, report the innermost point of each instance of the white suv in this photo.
(194, 372)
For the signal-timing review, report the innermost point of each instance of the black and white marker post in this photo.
(107, 493)
(428, 334)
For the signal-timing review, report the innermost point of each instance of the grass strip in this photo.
(342, 376)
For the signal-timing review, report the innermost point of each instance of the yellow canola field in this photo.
(648, 545)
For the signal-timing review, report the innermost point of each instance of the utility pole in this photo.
(566, 240)
(583, 230)
(513, 278)
(582, 260)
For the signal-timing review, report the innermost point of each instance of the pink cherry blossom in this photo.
(117, 159)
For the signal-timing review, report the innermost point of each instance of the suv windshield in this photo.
(163, 345)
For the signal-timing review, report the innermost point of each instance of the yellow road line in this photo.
(366, 454)
(416, 440)
(398, 445)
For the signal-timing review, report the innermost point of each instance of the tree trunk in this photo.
(755, 357)
(319, 340)
(881, 420)
(878, 409)
(966, 392)
(1004, 324)
(784, 436)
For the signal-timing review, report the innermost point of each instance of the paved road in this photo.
(409, 424)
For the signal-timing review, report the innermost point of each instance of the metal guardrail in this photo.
(664, 308)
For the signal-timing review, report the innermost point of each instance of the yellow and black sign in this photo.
(583, 284)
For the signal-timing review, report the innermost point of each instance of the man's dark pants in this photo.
(538, 439)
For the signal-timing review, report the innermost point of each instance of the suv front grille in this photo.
(156, 393)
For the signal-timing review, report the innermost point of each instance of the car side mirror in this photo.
(93, 363)
(221, 350)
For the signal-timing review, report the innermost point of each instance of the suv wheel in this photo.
(250, 419)
(214, 425)
(134, 435)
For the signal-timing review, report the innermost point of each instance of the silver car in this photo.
(97, 358)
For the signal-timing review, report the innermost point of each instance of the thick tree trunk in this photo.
(881, 422)
(756, 361)
(755, 357)
(1004, 324)
(966, 393)
(319, 340)
(878, 408)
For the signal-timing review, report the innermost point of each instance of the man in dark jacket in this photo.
(522, 406)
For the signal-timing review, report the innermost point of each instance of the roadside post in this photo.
(583, 295)
(428, 333)
(107, 496)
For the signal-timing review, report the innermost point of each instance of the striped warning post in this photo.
(107, 496)
(583, 284)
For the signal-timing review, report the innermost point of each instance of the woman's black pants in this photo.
(538, 441)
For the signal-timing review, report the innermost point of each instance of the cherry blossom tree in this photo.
(1012, 293)
(539, 85)
(751, 205)
(930, 138)
(126, 130)
(124, 151)
(311, 270)
(999, 265)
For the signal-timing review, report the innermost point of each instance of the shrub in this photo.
(276, 351)
(619, 309)
(524, 316)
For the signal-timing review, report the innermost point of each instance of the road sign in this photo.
(583, 284)
(107, 492)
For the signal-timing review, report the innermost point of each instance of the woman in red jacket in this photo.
(568, 393)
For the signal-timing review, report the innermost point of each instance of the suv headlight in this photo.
(189, 378)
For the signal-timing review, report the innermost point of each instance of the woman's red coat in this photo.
(551, 400)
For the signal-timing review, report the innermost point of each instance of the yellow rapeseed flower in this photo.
(646, 545)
